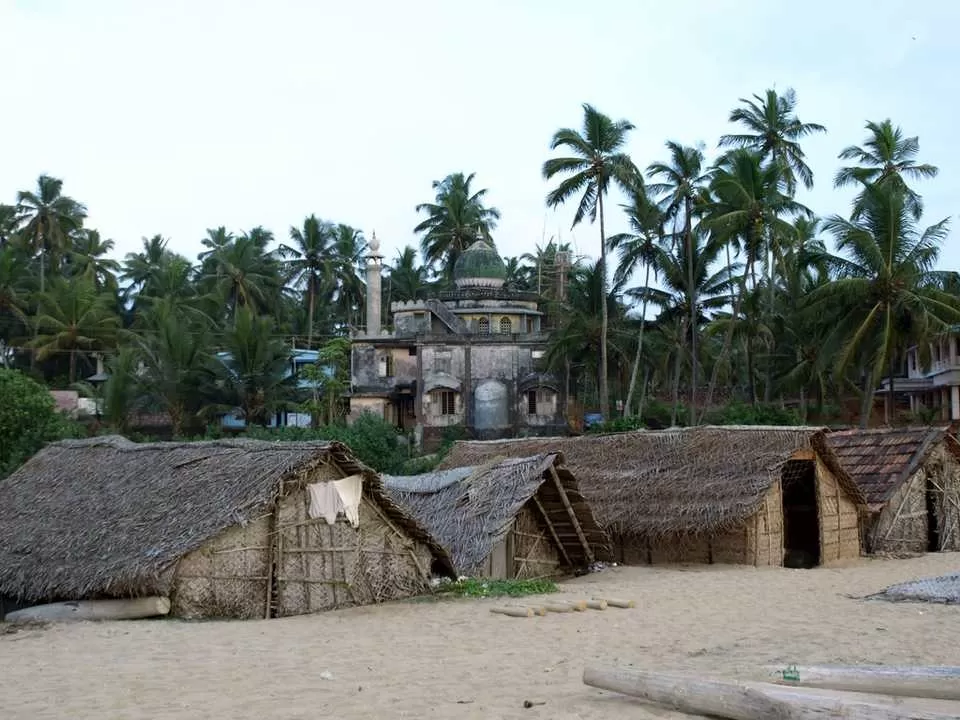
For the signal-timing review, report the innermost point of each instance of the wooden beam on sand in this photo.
(617, 603)
(553, 530)
(926, 681)
(588, 551)
(513, 611)
(737, 700)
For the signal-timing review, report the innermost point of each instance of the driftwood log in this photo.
(513, 611)
(941, 682)
(614, 602)
(597, 604)
(124, 609)
(762, 701)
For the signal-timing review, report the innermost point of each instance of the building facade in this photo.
(936, 387)
(469, 361)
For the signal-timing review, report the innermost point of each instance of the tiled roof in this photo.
(879, 460)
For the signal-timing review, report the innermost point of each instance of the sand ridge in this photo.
(456, 659)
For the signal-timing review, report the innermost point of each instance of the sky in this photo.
(177, 116)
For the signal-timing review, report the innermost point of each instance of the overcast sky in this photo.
(177, 116)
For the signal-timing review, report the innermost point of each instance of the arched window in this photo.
(483, 326)
(506, 327)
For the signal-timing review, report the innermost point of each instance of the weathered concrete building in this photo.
(471, 357)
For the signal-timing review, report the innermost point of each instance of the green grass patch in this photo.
(481, 587)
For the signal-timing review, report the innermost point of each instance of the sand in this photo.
(456, 659)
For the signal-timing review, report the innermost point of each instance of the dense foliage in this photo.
(726, 299)
(28, 420)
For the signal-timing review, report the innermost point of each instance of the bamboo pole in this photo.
(588, 551)
(927, 681)
(120, 609)
(553, 530)
(761, 701)
(597, 604)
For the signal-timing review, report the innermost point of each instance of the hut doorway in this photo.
(801, 515)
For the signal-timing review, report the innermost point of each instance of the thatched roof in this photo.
(689, 481)
(880, 460)
(471, 509)
(105, 516)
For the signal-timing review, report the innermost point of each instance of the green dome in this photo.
(479, 265)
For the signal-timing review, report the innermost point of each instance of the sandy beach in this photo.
(424, 659)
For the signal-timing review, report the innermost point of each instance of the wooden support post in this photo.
(588, 551)
(553, 531)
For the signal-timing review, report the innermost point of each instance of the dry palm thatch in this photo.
(682, 482)
(471, 509)
(108, 517)
(882, 459)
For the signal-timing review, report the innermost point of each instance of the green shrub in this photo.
(745, 414)
(482, 587)
(28, 420)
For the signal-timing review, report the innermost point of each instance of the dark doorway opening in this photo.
(933, 530)
(801, 515)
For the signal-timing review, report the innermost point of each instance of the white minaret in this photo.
(374, 261)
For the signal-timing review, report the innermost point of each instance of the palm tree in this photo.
(242, 274)
(747, 208)
(638, 247)
(774, 131)
(407, 279)
(87, 258)
(454, 220)
(682, 187)
(886, 295)
(887, 156)
(73, 317)
(350, 248)
(308, 261)
(47, 219)
(139, 267)
(9, 220)
(597, 161)
(174, 347)
(252, 372)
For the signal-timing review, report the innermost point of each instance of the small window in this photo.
(538, 402)
(412, 351)
(531, 402)
(448, 405)
(506, 327)
(537, 354)
(483, 326)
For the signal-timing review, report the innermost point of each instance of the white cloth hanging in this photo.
(350, 491)
(325, 501)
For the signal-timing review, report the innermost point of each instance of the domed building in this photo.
(471, 357)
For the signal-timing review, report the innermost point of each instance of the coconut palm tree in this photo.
(886, 156)
(406, 279)
(87, 257)
(638, 247)
(597, 161)
(47, 217)
(308, 261)
(350, 248)
(774, 132)
(242, 274)
(74, 317)
(886, 295)
(454, 220)
(139, 267)
(681, 189)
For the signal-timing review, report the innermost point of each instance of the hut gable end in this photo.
(472, 510)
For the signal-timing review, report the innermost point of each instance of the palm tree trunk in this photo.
(636, 361)
(311, 297)
(866, 403)
(692, 290)
(604, 320)
(73, 366)
(676, 374)
(891, 394)
(643, 392)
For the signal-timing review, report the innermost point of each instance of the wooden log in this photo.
(927, 681)
(513, 611)
(597, 604)
(125, 609)
(559, 607)
(613, 602)
(735, 700)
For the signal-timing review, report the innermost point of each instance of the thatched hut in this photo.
(910, 477)
(516, 518)
(234, 528)
(748, 495)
